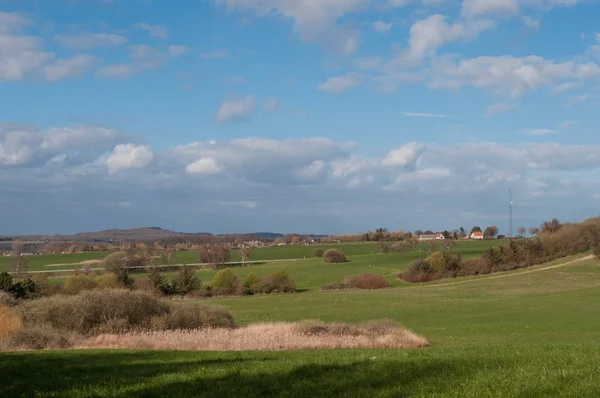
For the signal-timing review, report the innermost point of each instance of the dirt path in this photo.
(565, 264)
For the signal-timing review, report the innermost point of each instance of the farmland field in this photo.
(529, 334)
(68, 261)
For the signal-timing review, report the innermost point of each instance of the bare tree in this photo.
(449, 244)
(17, 247)
(534, 231)
(491, 232)
(245, 253)
(551, 226)
(168, 255)
(19, 266)
(215, 254)
(521, 231)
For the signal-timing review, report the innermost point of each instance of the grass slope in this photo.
(529, 335)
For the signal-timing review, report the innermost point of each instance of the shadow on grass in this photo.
(192, 374)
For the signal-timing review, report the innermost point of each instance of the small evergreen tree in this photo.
(185, 281)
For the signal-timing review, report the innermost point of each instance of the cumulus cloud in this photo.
(204, 166)
(507, 75)
(86, 40)
(23, 144)
(381, 26)
(153, 30)
(236, 109)
(21, 55)
(129, 156)
(71, 67)
(467, 181)
(143, 57)
(313, 20)
(404, 156)
(340, 84)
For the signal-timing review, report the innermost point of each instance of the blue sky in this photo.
(328, 116)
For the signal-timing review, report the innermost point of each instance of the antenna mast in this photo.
(510, 213)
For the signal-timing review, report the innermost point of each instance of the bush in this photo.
(118, 263)
(318, 252)
(38, 338)
(78, 283)
(333, 256)
(444, 264)
(7, 300)
(401, 247)
(474, 266)
(277, 282)
(185, 281)
(10, 321)
(6, 282)
(251, 282)
(597, 252)
(367, 281)
(195, 316)
(226, 283)
(93, 311)
(108, 281)
(162, 287)
(418, 272)
(43, 285)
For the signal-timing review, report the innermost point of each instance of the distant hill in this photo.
(138, 234)
(149, 233)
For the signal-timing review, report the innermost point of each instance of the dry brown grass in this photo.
(266, 337)
(10, 322)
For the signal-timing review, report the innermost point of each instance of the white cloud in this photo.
(507, 75)
(23, 144)
(495, 109)
(540, 132)
(143, 57)
(340, 84)
(315, 21)
(129, 156)
(204, 166)
(567, 124)
(147, 57)
(216, 54)
(86, 40)
(11, 21)
(427, 35)
(404, 156)
(21, 55)
(70, 67)
(271, 105)
(381, 26)
(420, 114)
(153, 30)
(236, 109)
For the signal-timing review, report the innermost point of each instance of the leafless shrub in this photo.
(10, 321)
(334, 256)
(318, 252)
(35, 338)
(214, 254)
(78, 283)
(6, 300)
(277, 282)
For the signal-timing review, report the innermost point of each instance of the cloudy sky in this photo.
(310, 116)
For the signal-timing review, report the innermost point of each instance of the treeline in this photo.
(555, 241)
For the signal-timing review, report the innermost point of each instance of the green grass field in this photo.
(68, 261)
(524, 335)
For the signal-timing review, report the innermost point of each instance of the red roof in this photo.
(477, 233)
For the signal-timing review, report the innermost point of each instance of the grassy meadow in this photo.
(526, 334)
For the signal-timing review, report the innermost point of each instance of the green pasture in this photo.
(526, 334)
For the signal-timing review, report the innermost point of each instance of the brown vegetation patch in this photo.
(86, 262)
(266, 337)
